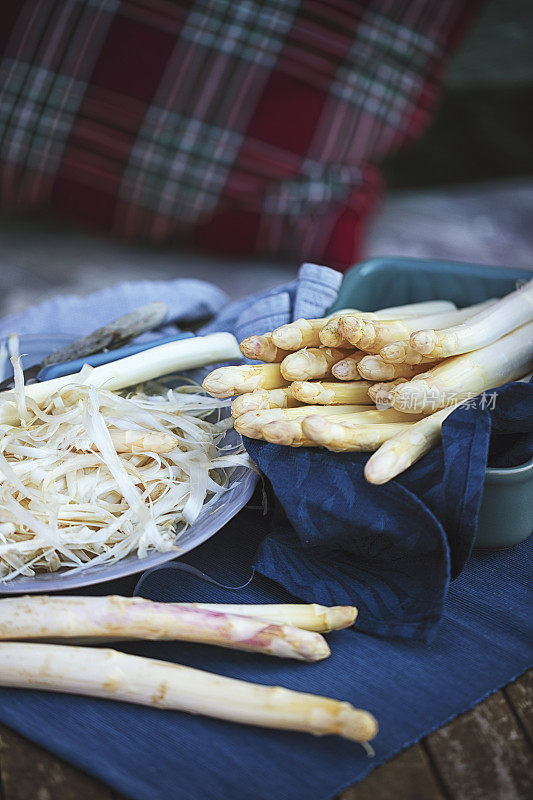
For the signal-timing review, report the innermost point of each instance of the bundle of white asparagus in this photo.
(382, 381)
(37, 651)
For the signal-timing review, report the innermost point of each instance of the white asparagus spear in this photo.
(250, 424)
(375, 334)
(469, 374)
(154, 363)
(346, 369)
(400, 451)
(331, 336)
(375, 369)
(288, 432)
(371, 335)
(253, 425)
(115, 617)
(315, 362)
(331, 392)
(227, 381)
(262, 399)
(310, 616)
(302, 332)
(340, 437)
(262, 348)
(114, 675)
(486, 327)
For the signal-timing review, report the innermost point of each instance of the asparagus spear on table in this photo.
(107, 673)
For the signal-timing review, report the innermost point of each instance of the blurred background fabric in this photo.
(462, 190)
(245, 127)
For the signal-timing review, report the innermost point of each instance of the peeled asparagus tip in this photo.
(394, 353)
(357, 725)
(247, 425)
(285, 432)
(219, 382)
(351, 328)
(384, 465)
(250, 346)
(346, 369)
(311, 647)
(319, 429)
(342, 370)
(281, 432)
(374, 368)
(254, 347)
(308, 363)
(244, 403)
(413, 396)
(339, 617)
(287, 337)
(368, 335)
(424, 341)
(305, 391)
(330, 335)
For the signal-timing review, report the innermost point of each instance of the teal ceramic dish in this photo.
(506, 512)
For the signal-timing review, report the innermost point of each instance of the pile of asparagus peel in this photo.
(40, 649)
(380, 382)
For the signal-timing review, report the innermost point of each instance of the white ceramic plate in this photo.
(242, 485)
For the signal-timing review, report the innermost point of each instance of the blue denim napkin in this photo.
(392, 550)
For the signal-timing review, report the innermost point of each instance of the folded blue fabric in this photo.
(186, 299)
(484, 641)
(392, 550)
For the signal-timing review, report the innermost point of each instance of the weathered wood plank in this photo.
(30, 773)
(483, 755)
(409, 775)
(520, 696)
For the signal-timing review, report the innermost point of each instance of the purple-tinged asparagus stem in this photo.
(310, 616)
(114, 617)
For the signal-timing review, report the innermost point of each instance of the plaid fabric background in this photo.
(245, 126)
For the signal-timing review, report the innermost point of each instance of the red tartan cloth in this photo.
(237, 125)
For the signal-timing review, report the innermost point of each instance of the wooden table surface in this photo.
(485, 754)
